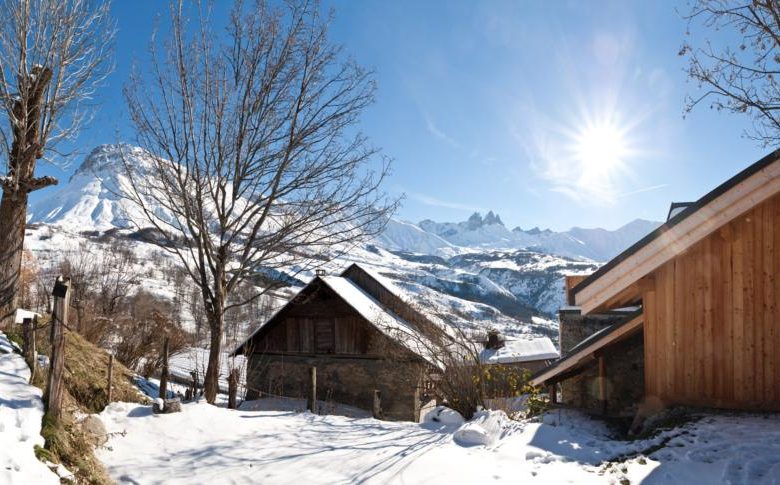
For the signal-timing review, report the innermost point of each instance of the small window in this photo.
(324, 336)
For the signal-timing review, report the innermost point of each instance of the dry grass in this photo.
(86, 378)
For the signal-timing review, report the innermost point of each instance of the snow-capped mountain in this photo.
(477, 272)
(490, 232)
(91, 200)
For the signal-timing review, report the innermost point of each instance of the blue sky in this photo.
(488, 105)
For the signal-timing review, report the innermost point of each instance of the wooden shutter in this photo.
(324, 335)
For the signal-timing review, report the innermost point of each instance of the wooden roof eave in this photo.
(603, 289)
(582, 356)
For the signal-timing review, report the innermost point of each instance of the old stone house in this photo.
(689, 315)
(358, 333)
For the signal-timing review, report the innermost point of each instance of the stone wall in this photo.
(343, 380)
(624, 365)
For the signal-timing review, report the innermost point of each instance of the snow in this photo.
(382, 318)
(520, 350)
(192, 359)
(257, 444)
(717, 449)
(443, 415)
(222, 446)
(22, 314)
(21, 411)
(485, 429)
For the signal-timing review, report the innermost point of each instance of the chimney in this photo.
(320, 272)
(494, 340)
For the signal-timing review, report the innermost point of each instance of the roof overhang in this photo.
(587, 350)
(617, 282)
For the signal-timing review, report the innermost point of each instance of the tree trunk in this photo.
(211, 381)
(233, 387)
(13, 215)
(164, 373)
(25, 151)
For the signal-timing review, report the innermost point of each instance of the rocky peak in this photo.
(108, 156)
(474, 222)
(492, 218)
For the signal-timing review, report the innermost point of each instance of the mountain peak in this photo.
(106, 156)
(474, 222)
(492, 218)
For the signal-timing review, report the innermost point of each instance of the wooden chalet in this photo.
(689, 315)
(358, 333)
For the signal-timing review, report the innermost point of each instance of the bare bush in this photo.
(456, 373)
(140, 333)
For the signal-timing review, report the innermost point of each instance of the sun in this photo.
(601, 149)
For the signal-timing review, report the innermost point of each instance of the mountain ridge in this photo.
(477, 272)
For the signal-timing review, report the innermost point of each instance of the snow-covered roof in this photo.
(383, 319)
(369, 308)
(21, 314)
(520, 350)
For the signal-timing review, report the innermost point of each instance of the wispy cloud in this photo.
(438, 133)
(435, 202)
(643, 189)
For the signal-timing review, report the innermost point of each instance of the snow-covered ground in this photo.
(21, 411)
(215, 445)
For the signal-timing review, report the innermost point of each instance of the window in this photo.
(324, 336)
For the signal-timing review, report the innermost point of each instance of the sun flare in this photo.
(601, 148)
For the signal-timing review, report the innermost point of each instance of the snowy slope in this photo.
(477, 273)
(90, 199)
(405, 236)
(21, 411)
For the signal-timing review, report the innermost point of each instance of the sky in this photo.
(551, 114)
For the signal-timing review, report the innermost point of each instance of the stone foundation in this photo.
(343, 380)
(624, 364)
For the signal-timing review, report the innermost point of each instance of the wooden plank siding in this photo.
(320, 324)
(712, 319)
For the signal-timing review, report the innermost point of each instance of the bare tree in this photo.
(738, 72)
(252, 161)
(103, 277)
(53, 53)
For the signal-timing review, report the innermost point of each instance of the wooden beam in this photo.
(585, 354)
(736, 201)
(570, 281)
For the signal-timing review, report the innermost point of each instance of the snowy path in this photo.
(215, 445)
(21, 410)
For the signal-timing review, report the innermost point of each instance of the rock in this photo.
(166, 406)
(173, 405)
(95, 431)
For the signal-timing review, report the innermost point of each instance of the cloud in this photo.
(643, 189)
(435, 202)
(435, 131)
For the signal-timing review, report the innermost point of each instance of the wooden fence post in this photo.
(376, 411)
(312, 404)
(233, 387)
(164, 373)
(28, 327)
(59, 318)
(194, 375)
(110, 376)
